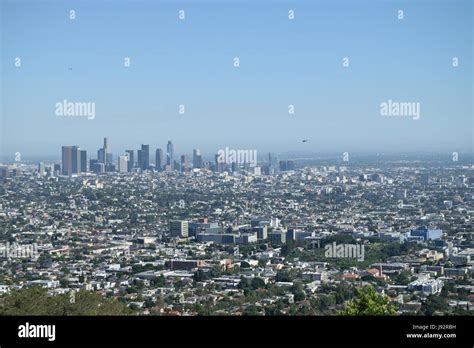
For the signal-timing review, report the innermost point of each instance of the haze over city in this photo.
(282, 62)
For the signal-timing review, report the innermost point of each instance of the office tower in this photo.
(50, 171)
(108, 158)
(100, 168)
(262, 232)
(57, 169)
(139, 158)
(197, 158)
(75, 159)
(287, 165)
(41, 169)
(220, 164)
(144, 157)
(67, 160)
(101, 156)
(199, 161)
(104, 154)
(110, 167)
(131, 160)
(83, 161)
(106, 145)
(94, 165)
(282, 166)
(272, 163)
(179, 228)
(123, 164)
(170, 153)
(272, 159)
(107, 151)
(290, 165)
(216, 162)
(176, 166)
(184, 163)
(159, 160)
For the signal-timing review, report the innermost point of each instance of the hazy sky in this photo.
(282, 62)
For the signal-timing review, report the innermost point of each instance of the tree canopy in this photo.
(368, 302)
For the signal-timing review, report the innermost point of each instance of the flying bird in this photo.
(305, 140)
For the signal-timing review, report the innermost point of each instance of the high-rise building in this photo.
(67, 160)
(75, 159)
(123, 164)
(107, 151)
(169, 153)
(101, 156)
(179, 228)
(131, 160)
(104, 154)
(184, 163)
(287, 165)
(272, 163)
(41, 168)
(159, 160)
(94, 165)
(110, 167)
(57, 169)
(83, 161)
(139, 158)
(197, 159)
(144, 157)
(290, 165)
(106, 145)
(220, 164)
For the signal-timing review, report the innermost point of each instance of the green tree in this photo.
(368, 302)
(257, 283)
(200, 276)
(36, 301)
(251, 310)
(434, 303)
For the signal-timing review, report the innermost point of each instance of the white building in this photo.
(123, 164)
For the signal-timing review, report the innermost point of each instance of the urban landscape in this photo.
(236, 173)
(264, 237)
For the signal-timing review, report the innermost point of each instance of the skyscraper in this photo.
(107, 151)
(184, 163)
(41, 168)
(144, 157)
(131, 160)
(75, 159)
(159, 160)
(106, 145)
(197, 159)
(104, 154)
(170, 153)
(123, 164)
(66, 160)
(101, 156)
(83, 161)
(139, 158)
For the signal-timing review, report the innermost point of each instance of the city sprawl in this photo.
(214, 237)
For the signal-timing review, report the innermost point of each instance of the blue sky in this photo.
(282, 62)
